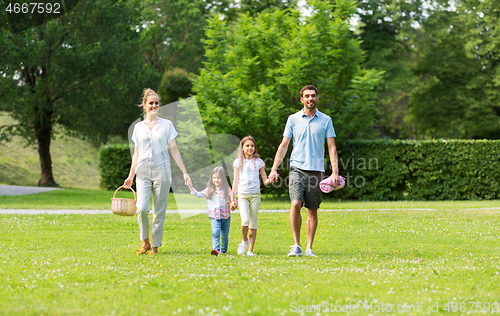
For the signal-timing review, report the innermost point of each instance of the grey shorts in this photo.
(304, 186)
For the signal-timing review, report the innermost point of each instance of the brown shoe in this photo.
(143, 250)
(153, 252)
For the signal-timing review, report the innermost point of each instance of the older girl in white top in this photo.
(246, 183)
(151, 163)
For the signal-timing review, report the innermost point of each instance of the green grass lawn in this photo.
(86, 264)
(101, 200)
(74, 161)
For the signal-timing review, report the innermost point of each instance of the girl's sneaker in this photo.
(242, 247)
(214, 252)
(249, 253)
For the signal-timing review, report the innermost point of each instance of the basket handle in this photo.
(135, 199)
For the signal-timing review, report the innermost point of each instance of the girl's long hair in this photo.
(211, 186)
(242, 155)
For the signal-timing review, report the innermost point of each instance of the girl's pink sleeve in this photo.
(199, 194)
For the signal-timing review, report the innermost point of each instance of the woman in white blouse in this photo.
(151, 164)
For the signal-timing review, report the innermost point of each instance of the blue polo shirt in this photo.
(309, 139)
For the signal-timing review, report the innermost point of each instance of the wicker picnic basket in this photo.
(123, 207)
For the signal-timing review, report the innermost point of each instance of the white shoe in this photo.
(295, 251)
(249, 253)
(309, 253)
(242, 247)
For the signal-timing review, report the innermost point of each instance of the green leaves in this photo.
(424, 170)
(256, 67)
(114, 165)
(458, 62)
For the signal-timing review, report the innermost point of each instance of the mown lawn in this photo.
(86, 264)
(82, 199)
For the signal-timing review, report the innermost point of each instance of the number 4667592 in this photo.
(33, 8)
(472, 307)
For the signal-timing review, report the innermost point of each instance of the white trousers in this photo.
(156, 182)
(249, 204)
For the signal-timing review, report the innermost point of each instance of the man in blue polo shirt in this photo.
(308, 128)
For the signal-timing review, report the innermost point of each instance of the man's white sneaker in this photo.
(309, 253)
(249, 253)
(242, 247)
(295, 251)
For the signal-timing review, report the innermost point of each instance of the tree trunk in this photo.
(43, 130)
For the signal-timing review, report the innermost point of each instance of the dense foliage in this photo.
(441, 66)
(256, 67)
(114, 165)
(420, 170)
(83, 71)
(381, 170)
(410, 69)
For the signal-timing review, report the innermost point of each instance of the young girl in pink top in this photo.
(218, 195)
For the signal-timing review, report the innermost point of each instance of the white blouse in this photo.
(249, 175)
(153, 145)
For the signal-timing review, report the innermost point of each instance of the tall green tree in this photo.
(255, 69)
(83, 70)
(254, 7)
(457, 93)
(483, 20)
(174, 30)
(386, 28)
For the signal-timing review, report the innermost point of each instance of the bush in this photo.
(175, 84)
(114, 165)
(383, 170)
(420, 170)
(454, 170)
(374, 170)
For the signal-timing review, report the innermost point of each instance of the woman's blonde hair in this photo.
(145, 95)
(242, 155)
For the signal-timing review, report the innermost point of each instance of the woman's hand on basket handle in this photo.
(128, 183)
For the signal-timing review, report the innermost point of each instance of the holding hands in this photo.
(234, 205)
(273, 176)
(187, 181)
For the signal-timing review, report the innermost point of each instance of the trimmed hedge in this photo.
(114, 165)
(385, 170)
(374, 170)
(420, 170)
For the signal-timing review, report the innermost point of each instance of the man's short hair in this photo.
(308, 87)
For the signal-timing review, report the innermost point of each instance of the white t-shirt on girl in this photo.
(153, 145)
(249, 176)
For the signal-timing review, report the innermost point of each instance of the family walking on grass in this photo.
(309, 128)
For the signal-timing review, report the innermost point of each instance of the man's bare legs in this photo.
(296, 220)
(296, 223)
(311, 225)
